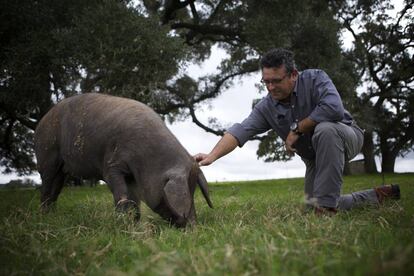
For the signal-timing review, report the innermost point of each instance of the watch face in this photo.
(294, 126)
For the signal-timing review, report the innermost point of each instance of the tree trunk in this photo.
(368, 152)
(388, 161)
(388, 154)
(77, 181)
(388, 165)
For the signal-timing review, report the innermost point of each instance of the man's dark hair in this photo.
(277, 57)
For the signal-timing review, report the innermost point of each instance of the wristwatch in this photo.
(294, 127)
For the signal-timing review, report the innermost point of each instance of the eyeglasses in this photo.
(273, 81)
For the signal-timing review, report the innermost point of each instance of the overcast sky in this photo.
(231, 107)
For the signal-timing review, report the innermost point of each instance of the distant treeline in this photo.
(20, 183)
(30, 183)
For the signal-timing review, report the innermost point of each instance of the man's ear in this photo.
(177, 196)
(295, 74)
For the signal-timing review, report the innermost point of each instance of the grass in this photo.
(257, 227)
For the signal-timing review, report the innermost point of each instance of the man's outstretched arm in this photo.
(224, 146)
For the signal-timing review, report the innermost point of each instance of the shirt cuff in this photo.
(239, 133)
(315, 117)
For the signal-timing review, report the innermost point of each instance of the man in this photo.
(306, 111)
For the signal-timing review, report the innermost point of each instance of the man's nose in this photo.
(270, 86)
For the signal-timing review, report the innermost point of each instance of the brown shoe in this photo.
(388, 191)
(325, 211)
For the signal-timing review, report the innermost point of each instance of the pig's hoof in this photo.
(47, 206)
(125, 205)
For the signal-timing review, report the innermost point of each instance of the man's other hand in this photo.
(203, 159)
(290, 143)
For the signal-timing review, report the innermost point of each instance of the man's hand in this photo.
(290, 143)
(203, 159)
(304, 126)
(226, 144)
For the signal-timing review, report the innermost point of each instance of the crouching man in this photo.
(306, 111)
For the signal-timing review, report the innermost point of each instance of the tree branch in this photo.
(171, 6)
(196, 18)
(24, 121)
(249, 68)
(402, 13)
(201, 125)
(207, 29)
(219, 132)
(7, 134)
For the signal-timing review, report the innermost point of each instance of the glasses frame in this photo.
(273, 81)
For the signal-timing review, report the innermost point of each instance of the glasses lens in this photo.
(273, 81)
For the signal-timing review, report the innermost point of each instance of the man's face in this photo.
(279, 83)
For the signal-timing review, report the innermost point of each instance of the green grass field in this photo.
(256, 227)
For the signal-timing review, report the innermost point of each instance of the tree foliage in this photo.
(381, 59)
(50, 50)
(383, 56)
(248, 28)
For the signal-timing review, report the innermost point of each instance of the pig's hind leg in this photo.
(53, 178)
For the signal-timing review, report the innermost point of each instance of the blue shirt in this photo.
(314, 96)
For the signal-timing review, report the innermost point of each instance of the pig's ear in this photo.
(177, 196)
(202, 182)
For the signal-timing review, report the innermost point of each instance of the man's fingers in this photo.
(202, 159)
(290, 150)
(203, 163)
(199, 157)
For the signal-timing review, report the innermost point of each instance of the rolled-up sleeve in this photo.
(254, 124)
(329, 104)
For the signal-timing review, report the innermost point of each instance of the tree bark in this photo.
(388, 163)
(388, 154)
(368, 152)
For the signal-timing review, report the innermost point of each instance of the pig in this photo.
(124, 143)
